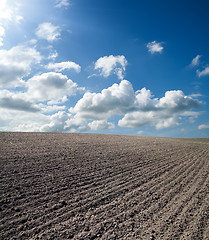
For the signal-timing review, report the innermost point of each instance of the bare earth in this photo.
(88, 186)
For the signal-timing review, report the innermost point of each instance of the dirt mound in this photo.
(88, 186)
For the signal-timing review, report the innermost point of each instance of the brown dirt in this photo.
(88, 186)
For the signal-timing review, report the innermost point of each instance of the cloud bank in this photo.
(117, 99)
(47, 94)
(139, 108)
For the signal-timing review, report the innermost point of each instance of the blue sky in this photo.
(119, 67)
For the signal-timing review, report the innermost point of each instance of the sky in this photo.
(108, 66)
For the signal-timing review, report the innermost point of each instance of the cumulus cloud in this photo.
(75, 123)
(117, 99)
(59, 67)
(195, 61)
(176, 101)
(57, 122)
(17, 104)
(203, 127)
(203, 72)
(10, 100)
(161, 113)
(51, 108)
(159, 119)
(111, 64)
(155, 47)
(139, 108)
(49, 86)
(23, 121)
(144, 100)
(62, 3)
(100, 125)
(64, 122)
(16, 64)
(48, 31)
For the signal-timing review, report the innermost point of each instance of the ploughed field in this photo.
(89, 186)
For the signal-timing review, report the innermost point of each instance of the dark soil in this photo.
(88, 186)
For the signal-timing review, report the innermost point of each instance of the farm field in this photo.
(94, 186)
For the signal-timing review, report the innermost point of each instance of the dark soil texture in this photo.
(92, 186)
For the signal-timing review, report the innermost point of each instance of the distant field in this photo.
(88, 186)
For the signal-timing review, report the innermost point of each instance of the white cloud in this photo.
(161, 113)
(75, 124)
(140, 108)
(6, 11)
(53, 55)
(9, 12)
(12, 120)
(203, 72)
(10, 100)
(196, 95)
(64, 122)
(32, 42)
(2, 33)
(48, 31)
(57, 122)
(203, 127)
(58, 67)
(51, 108)
(46, 93)
(159, 119)
(111, 64)
(167, 122)
(191, 115)
(117, 99)
(62, 3)
(176, 101)
(18, 19)
(51, 86)
(140, 132)
(100, 125)
(155, 47)
(58, 101)
(16, 64)
(144, 100)
(195, 61)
